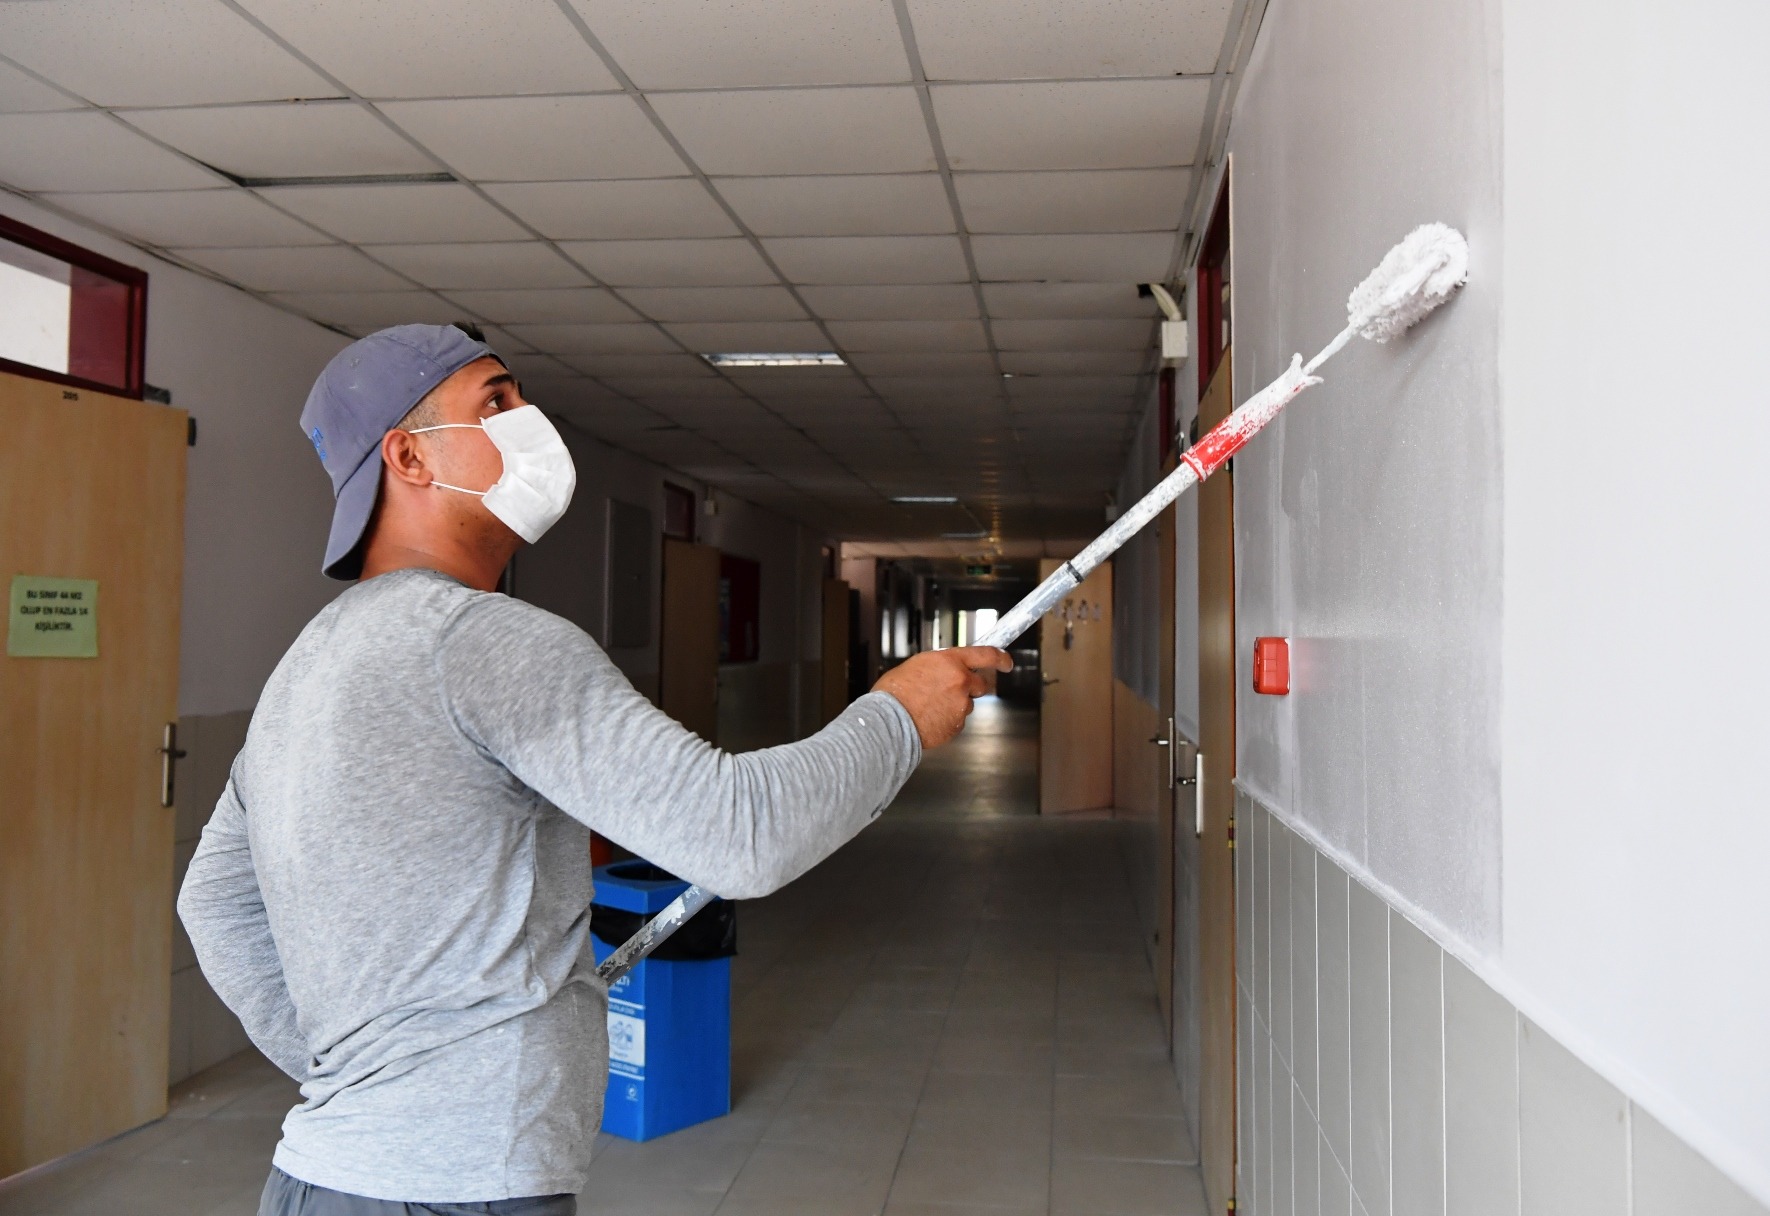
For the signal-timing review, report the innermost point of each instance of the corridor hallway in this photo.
(953, 1016)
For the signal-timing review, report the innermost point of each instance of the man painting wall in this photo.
(393, 892)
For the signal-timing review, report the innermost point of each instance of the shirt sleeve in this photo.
(538, 695)
(223, 912)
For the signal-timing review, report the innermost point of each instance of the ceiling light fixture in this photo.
(339, 179)
(934, 498)
(963, 535)
(812, 358)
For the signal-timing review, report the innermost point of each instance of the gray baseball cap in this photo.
(363, 393)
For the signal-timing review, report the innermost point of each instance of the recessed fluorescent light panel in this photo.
(810, 358)
(963, 535)
(934, 498)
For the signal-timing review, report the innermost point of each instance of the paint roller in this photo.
(1414, 277)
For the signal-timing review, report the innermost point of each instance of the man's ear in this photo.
(400, 455)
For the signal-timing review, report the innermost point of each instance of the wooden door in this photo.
(833, 666)
(1166, 742)
(91, 488)
(1215, 863)
(688, 641)
(1075, 721)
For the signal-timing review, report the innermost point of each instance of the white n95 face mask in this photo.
(538, 478)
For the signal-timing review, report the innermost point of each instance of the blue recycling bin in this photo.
(669, 1021)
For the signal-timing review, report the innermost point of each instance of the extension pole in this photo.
(1414, 277)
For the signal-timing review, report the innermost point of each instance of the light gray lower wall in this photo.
(1381, 1077)
(203, 1030)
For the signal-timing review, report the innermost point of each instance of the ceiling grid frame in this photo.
(941, 423)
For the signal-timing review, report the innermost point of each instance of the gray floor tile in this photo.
(836, 1125)
(789, 1178)
(1151, 1093)
(870, 1084)
(1124, 1138)
(1125, 1188)
(975, 1053)
(660, 1200)
(910, 1207)
(1015, 1090)
(973, 1173)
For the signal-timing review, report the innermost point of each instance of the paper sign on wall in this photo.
(52, 618)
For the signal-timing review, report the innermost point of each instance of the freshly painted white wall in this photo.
(257, 503)
(1368, 516)
(1637, 911)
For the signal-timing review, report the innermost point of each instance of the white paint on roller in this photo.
(1412, 279)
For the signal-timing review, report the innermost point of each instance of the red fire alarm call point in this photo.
(1272, 666)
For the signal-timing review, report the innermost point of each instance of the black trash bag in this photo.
(710, 933)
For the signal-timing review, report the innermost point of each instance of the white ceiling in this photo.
(958, 195)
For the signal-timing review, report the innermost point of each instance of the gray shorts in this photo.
(286, 1196)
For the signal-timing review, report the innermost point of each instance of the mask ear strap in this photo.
(443, 485)
(447, 426)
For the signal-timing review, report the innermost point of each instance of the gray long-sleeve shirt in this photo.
(393, 891)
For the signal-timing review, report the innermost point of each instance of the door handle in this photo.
(1159, 741)
(1049, 680)
(170, 755)
(1198, 794)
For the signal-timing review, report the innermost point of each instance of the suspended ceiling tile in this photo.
(947, 363)
(617, 210)
(936, 389)
(1053, 386)
(192, 218)
(1063, 300)
(711, 337)
(1002, 40)
(613, 367)
(722, 419)
(799, 131)
(584, 138)
(946, 335)
(86, 150)
(321, 268)
(481, 265)
(601, 413)
(892, 303)
(21, 94)
(672, 387)
(1018, 363)
(1121, 200)
(503, 341)
(869, 259)
(693, 44)
(709, 262)
(287, 139)
(1132, 258)
(510, 307)
(558, 390)
(375, 309)
(1128, 334)
(439, 48)
(1118, 124)
(406, 213)
(715, 303)
(874, 204)
(154, 53)
(596, 339)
